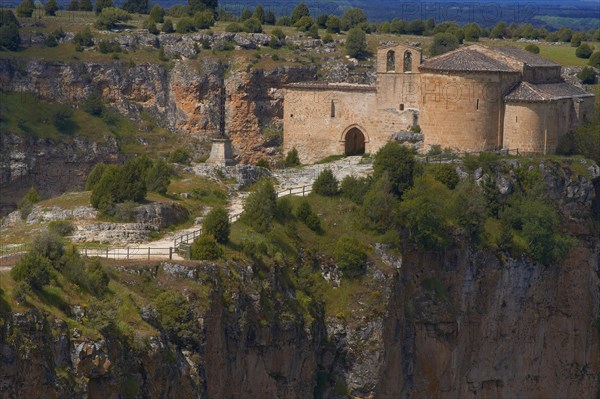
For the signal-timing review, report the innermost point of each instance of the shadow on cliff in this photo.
(4, 306)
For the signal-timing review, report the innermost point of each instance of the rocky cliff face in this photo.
(190, 97)
(463, 323)
(50, 166)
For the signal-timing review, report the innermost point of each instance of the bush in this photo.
(216, 224)
(252, 25)
(110, 17)
(587, 76)
(206, 247)
(180, 155)
(333, 24)
(175, 316)
(51, 41)
(61, 228)
(121, 183)
(304, 24)
(106, 47)
(584, 51)
(326, 184)
(291, 159)
(469, 211)
(21, 291)
(303, 211)
(313, 222)
(446, 173)
(9, 36)
(51, 7)
(399, 163)
(532, 48)
(25, 9)
(355, 188)
(97, 279)
(356, 43)
(185, 25)
(587, 137)
(594, 60)
(32, 269)
(350, 256)
(93, 105)
(168, 26)
(84, 38)
(283, 210)
(50, 246)
(31, 196)
(259, 208)
(234, 27)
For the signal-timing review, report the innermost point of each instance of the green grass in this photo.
(561, 53)
(27, 116)
(68, 200)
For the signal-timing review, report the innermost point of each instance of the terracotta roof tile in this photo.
(524, 56)
(529, 92)
(465, 59)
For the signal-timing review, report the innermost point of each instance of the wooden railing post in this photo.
(170, 253)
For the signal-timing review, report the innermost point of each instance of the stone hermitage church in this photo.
(476, 98)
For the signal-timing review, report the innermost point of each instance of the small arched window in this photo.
(391, 61)
(332, 109)
(407, 61)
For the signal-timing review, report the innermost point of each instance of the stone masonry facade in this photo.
(473, 99)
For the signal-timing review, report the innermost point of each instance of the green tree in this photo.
(245, 15)
(260, 206)
(594, 60)
(472, 32)
(446, 173)
(334, 25)
(300, 11)
(234, 27)
(584, 51)
(270, 18)
(304, 24)
(216, 224)
(416, 27)
(576, 39)
(168, 26)
(259, 13)
(587, 76)
(352, 17)
(356, 43)
(532, 48)
(7, 17)
(157, 14)
(499, 31)
(355, 188)
(180, 155)
(202, 5)
(86, 5)
(185, 25)
(9, 37)
(587, 137)
(33, 269)
(102, 4)
(175, 316)
(84, 38)
(51, 7)
(350, 256)
(73, 5)
(158, 176)
(97, 279)
(442, 43)
(379, 205)
(25, 9)
(31, 196)
(252, 25)
(468, 209)
(206, 247)
(110, 17)
(422, 212)
(204, 19)
(136, 6)
(326, 184)
(399, 163)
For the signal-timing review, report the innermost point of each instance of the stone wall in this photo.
(316, 134)
(398, 87)
(464, 111)
(531, 127)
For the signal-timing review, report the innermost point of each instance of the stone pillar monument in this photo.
(221, 152)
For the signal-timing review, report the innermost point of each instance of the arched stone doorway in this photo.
(354, 142)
